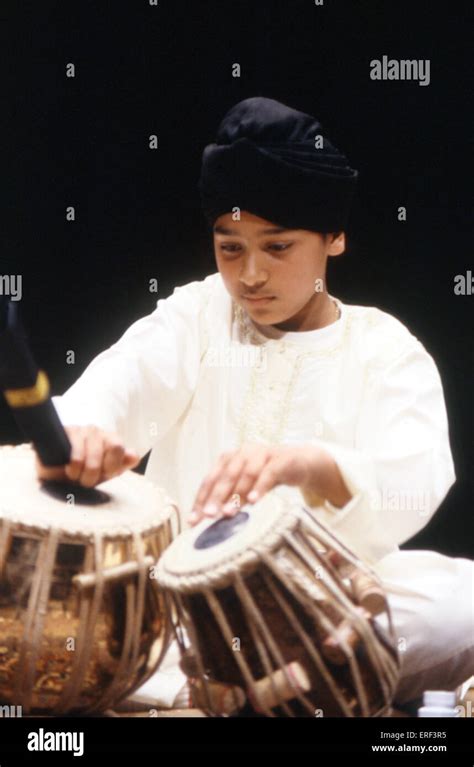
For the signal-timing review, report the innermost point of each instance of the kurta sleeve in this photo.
(141, 385)
(401, 466)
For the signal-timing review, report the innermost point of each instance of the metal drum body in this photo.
(82, 621)
(279, 616)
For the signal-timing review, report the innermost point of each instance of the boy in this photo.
(257, 378)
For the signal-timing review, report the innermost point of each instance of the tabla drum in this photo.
(82, 620)
(277, 617)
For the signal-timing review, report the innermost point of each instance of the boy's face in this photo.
(272, 271)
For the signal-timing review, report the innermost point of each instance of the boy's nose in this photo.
(253, 276)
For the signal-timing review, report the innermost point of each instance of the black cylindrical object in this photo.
(26, 390)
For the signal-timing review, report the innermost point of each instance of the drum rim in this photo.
(20, 517)
(170, 573)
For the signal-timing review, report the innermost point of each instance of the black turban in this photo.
(266, 161)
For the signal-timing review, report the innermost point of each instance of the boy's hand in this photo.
(251, 472)
(96, 455)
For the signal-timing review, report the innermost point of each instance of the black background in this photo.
(166, 70)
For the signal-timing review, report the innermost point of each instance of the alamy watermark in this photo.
(393, 499)
(11, 712)
(11, 285)
(236, 356)
(400, 69)
(464, 284)
(43, 740)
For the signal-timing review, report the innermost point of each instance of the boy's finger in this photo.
(207, 485)
(251, 471)
(94, 455)
(113, 459)
(131, 459)
(49, 472)
(273, 473)
(76, 463)
(223, 487)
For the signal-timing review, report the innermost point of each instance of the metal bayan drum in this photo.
(279, 616)
(82, 623)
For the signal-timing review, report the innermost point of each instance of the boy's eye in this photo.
(279, 246)
(230, 247)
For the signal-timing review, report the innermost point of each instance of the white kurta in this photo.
(197, 377)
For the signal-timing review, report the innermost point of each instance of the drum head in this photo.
(213, 548)
(120, 505)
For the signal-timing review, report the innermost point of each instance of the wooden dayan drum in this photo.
(279, 616)
(82, 623)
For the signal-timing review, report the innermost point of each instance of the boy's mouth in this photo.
(258, 300)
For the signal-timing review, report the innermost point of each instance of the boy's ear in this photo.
(337, 243)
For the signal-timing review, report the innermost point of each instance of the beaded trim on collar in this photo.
(251, 334)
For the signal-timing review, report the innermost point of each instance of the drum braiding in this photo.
(308, 640)
(74, 568)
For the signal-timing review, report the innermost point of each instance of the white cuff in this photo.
(358, 522)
